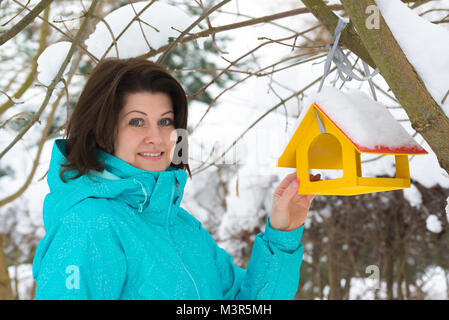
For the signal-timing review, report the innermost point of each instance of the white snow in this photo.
(23, 275)
(366, 122)
(425, 44)
(426, 170)
(447, 209)
(434, 283)
(413, 196)
(433, 224)
(160, 23)
(51, 60)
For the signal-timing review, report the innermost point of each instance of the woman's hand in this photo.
(289, 209)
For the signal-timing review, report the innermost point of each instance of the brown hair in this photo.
(94, 120)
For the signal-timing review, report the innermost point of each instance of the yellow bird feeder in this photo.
(319, 143)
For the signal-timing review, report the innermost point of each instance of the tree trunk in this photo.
(388, 265)
(5, 281)
(388, 257)
(317, 286)
(332, 262)
(425, 115)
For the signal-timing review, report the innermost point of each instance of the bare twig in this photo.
(12, 80)
(270, 87)
(127, 27)
(208, 70)
(258, 120)
(50, 118)
(50, 89)
(33, 72)
(16, 117)
(432, 10)
(257, 73)
(28, 2)
(247, 23)
(9, 98)
(332, 7)
(445, 97)
(4, 37)
(209, 24)
(293, 46)
(62, 32)
(294, 64)
(140, 26)
(114, 41)
(189, 28)
(417, 3)
(65, 26)
(243, 56)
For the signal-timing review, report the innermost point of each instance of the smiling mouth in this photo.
(149, 154)
(152, 156)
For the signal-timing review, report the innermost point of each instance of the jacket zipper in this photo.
(174, 245)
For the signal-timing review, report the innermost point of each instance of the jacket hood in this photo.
(146, 192)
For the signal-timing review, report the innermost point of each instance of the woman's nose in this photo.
(153, 135)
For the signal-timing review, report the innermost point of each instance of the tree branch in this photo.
(425, 115)
(69, 38)
(51, 88)
(246, 23)
(186, 31)
(126, 28)
(349, 37)
(11, 33)
(295, 94)
(32, 74)
(416, 3)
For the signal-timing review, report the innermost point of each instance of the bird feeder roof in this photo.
(367, 124)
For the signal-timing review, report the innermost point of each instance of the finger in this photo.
(289, 193)
(286, 182)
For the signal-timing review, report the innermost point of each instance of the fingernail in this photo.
(296, 181)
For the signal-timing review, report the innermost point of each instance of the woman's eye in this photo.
(136, 122)
(166, 122)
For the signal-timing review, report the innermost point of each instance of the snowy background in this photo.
(255, 176)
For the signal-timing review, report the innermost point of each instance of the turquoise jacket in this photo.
(121, 234)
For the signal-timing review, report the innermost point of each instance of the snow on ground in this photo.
(434, 283)
(434, 286)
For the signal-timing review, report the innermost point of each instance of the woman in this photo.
(114, 225)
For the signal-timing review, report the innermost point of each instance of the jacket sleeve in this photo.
(273, 269)
(79, 259)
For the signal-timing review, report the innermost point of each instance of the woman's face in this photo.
(145, 125)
